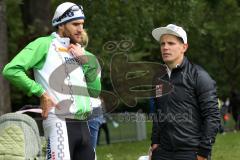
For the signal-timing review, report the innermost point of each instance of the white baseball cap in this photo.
(170, 29)
(67, 12)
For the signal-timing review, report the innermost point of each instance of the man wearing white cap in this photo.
(66, 76)
(187, 117)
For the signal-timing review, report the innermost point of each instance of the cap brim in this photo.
(158, 32)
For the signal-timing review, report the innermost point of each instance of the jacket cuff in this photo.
(155, 140)
(40, 92)
(203, 152)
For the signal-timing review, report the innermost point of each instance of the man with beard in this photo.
(66, 76)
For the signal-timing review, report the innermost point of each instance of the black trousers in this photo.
(160, 154)
(80, 146)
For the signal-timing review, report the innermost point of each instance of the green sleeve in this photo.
(32, 56)
(92, 72)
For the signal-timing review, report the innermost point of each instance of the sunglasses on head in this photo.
(69, 12)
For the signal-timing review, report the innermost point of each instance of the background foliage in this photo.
(212, 27)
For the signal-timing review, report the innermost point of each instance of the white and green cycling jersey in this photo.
(57, 73)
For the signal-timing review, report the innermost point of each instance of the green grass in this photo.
(227, 147)
(122, 151)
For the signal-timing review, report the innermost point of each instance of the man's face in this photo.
(172, 49)
(73, 30)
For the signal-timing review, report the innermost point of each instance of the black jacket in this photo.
(188, 116)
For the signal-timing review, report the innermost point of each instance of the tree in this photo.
(5, 105)
(26, 19)
(212, 28)
(214, 42)
(36, 18)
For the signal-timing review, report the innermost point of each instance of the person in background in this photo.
(151, 105)
(188, 116)
(224, 112)
(220, 106)
(104, 127)
(66, 76)
(95, 119)
(235, 108)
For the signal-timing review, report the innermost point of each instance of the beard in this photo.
(73, 40)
